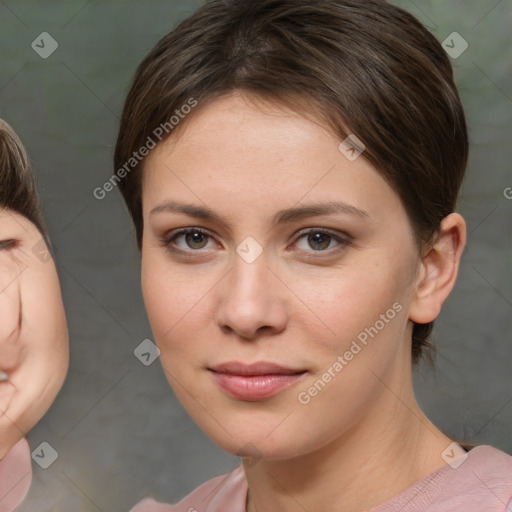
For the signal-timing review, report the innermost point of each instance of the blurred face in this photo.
(33, 332)
(277, 275)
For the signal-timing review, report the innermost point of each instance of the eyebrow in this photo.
(281, 217)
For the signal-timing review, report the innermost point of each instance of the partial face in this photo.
(247, 273)
(33, 332)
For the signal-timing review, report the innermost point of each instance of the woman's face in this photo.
(33, 332)
(260, 278)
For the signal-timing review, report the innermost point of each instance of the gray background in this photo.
(119, 432)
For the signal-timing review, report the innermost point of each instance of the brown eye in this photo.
(321, 240)
(194, 240)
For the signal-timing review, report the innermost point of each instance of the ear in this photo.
(438, 270)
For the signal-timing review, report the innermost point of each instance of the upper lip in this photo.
(258, 368)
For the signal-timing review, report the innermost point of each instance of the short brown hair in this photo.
(17, 186)
(364, 67)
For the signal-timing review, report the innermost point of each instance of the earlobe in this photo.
(438, 270)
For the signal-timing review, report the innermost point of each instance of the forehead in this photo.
(232, 151)
(9, 219)
(235, 138)
(237, 124)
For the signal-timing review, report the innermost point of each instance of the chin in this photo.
(254, 441)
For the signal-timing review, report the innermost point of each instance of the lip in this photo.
(255, 381)
(254, 369)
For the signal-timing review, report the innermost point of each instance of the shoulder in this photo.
(214, 495)
(480, 481)
(484, 473)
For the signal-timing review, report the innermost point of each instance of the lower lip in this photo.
(254, 387)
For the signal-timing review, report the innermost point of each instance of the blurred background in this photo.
(117, 428)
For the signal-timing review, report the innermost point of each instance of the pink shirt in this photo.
(482, 483)
(15, 476)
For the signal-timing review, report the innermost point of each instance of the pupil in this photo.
(319, 238)
(195, 238)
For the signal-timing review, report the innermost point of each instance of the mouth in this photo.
(255, 381)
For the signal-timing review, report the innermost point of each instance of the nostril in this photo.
(3, 376)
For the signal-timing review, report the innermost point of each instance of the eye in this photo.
(7, 244)
(193, 240)
(320, 240)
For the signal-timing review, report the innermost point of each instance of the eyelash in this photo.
(171, 237)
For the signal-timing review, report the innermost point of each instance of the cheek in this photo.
(44, 331)
(41, 344)
(9, 314)
(352, 299)
(44, 309)
(175, 301)
(366, 313)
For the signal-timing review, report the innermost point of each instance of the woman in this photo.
(33, 331)
(292, 170)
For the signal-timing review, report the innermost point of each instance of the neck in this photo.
(384, 453)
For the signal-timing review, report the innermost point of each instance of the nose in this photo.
(252, 300)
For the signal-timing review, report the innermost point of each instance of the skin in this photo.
(33, 331)
(363, 438)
